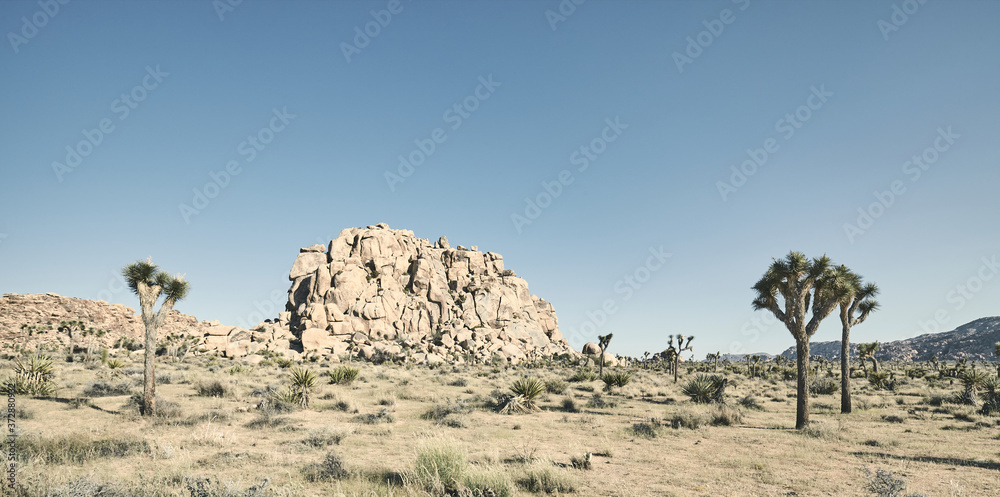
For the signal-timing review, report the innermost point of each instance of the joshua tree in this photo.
(73, 330)
(602, 342)
(753, 365)
(715, 360)
(801, 283)
(149, 283)
(866, 351)
(673, 354)
(860, 298)
(997, 353)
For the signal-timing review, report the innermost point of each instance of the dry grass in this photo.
(646, 439)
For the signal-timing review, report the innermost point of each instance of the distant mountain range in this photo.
(973, 341)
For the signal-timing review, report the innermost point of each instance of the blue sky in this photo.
(840, 96)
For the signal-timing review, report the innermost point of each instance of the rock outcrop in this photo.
(386, 293)
(973, 341)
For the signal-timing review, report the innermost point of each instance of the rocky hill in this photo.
(972, 341)
(373, 292)
(385, 292)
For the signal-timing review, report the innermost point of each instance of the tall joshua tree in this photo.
(802, 284)
(149, 283)
(855, 306)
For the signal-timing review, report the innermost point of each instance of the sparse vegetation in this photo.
(343, 375)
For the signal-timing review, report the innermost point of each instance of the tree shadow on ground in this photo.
(935, 460)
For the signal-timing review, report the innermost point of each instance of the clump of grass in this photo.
(211, 389)
(616, 379)
(440, 469)
(545, 479)
(750, 402)
(646, 429)
(583, 375)
(382, 416)
(283, 362)
(332, 468)
(824, 386)
(343, 375)
(686, 418)
(569, 405)
(106, 389)
(240, 369)
(459, 382)
(445, 413)
(323, 438)
(487, 483)
(555, 386)
(583, 462)
(266, 420)
(204, 487)
(724, 415)
(76, 448)
(599, 402)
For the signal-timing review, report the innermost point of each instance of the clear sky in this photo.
(116, 113)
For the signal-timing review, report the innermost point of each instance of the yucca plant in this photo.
(343, 375)
(525, 390)
(303, 381)
(992, 388)
(114, 363)
(616, 379)
(879, 380)
(972, 380)
(703, 388)
(34, 377)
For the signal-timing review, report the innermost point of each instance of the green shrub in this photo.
(616, 379)
(440, 469)
(703, 388)
(824, 386)
(343, 375)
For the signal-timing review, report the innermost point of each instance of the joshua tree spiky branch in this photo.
(801, 283)
(149, 283)
(673, 354)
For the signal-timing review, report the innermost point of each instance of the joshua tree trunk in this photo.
(147, 299)
(802, 404)
(845, 371)
(874, 363)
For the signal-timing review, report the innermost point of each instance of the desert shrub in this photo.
(885, 484)
(382, 416)
(545, 479)
(879, 381)
(583, 375)
(555, 386)
(616, 379)
(583, 462)
(323, 438)
(332, 468)
(440, 469)
(204, 487)
(33, 377)
(76, 448)
(750, 402)
(686, 419)
(936, 400)
(599, 402)
(106, 389)
(824, 386)
(164, 408)
(211, 389)
(266, 420)
(343, 375)
(283, 362)
(459, 382)
(703, 388)
(440, 413)
(569, 405)
(487, 483)
(89, 485)
(240, 369)
(991, 388)
(646, 429)
(726, 416)
(114, 363)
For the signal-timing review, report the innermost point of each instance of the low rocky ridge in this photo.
(373, 292)
(973, 341)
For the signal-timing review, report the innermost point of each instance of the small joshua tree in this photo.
(866, 351)
(603, 342)
(149, 283)
(673, 354)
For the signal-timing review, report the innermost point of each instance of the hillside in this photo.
(974, 341)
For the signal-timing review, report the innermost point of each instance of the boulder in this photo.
(591, 348)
